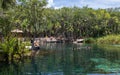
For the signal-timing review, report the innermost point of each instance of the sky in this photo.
(95, 4)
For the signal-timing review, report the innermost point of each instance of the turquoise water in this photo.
(68, 59)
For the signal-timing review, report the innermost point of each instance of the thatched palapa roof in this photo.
(17, 31)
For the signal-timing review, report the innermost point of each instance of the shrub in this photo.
(90, 40)
(109, 39)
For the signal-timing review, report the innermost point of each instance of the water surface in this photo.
(68, 59)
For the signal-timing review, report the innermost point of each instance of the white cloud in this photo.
(112, 0)
(58, 7)
(50, 3)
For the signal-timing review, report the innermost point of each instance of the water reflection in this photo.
(35, 69)
(68, 59)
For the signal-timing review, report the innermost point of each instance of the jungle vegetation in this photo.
(34, 18)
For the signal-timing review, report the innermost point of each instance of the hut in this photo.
(17, 32)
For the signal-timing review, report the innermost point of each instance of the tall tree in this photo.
(5, 4)
(32, 14)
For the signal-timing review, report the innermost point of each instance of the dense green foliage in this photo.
(21, 15)
(110, 39)
(81, 22)
(90, 40)
(105, 40)
(32, 16)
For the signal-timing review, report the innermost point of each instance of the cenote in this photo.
(68, 59)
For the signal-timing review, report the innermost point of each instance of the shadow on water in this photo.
(68, 59)
(35, 70)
